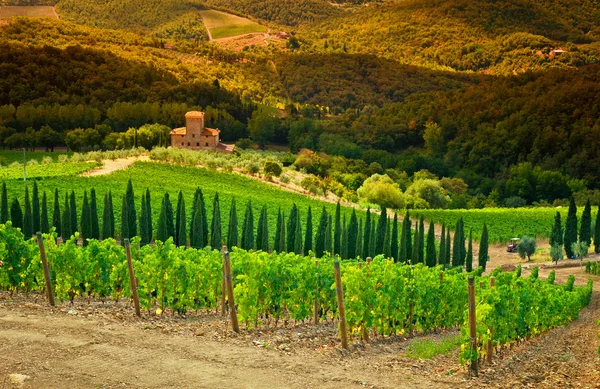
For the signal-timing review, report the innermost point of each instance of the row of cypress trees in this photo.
(570, 234)
(348, 238)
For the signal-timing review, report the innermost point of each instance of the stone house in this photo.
(196, 136)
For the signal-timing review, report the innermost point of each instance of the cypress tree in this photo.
(597, 232)
(409, 248)
(387, 247)
(4, 205)
(470, 252)
(144, 240)
(359, 238)
(232, 228)
(111, 214)
(448, 247)
(106, 219)
(585, 233)
(308, 236)
(262, 232)
(248, 228)
(148, 215)
(216, 237)
(344, 242)
(367, 234)
(431, 259)
(124, 219)
(571, 229)
(298, 235)
(95, 224)
(328, 239)
(352, 236)
(282, 235)
(483, 248)
(73, 213)
(162, 229)
(27, 217)
(44, 224)
(86, 223)
(321, 231)
(402, 254)
(194, 208)
(381, 228)
(457, 251)
(182, 233)
(442, 256)
(276, 239)
(36, 217)
(131, 216)
(372, 239)
(178, 219)
(422, 241)
(16, 215)
(67, 231)
(169, 217)
(197, 230)
(417, 240)
(337, 232)
(56, 220)
(556, 238)
(394, 238)
(291, 229)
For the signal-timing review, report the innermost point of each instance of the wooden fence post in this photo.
(317, 296)
(490, 346)
(472, 327)
(49, 290)
(132, 280)
(229, 286)
(223, 284)
(340, 299)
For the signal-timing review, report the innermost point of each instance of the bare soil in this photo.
(110, 165)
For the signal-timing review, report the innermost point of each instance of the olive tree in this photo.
(526, 247)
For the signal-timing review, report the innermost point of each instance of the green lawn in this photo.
(225, 32)
(223, 25)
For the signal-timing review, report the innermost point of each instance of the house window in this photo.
(182, 143)
(193, 135)
(207, 145)
(197, 144)
(188, 143)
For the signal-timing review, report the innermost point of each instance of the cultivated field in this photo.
(35, 11)
(223, 25)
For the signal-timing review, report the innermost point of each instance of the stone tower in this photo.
(194, 121)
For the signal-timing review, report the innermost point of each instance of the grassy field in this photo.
(224, 25)
(35, 11)
(9, 156)
(47, 170)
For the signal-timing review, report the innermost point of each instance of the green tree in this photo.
(35, 209)
(422, 240)
(483, 254)
(169, 218)
(344, 243)
(107, 232)
(442, 256)
(262, 231)
(95, 224)
(373, 239)
(16, 214)
(178, 219)
(262, 127)
(337, 232)
(232, 228)
(291, 229)
(56, 219)
(431, 258)
(162, 229)
(359, 238)
(4, 205)
(387, 248)
(182, 233)
(470, 252)
(585, 233)
(73, 213)
(556, 238)
(298, 236)
(381, 228)
(526, 247)
(197, 230)
(308, 236)
(278, 228)
(111, 214)
(67, 230)
(328, 238)
(381, 190)
(86, 223)
(131, 216)
(434, 138)
(216, 237)
(352, 236)
(448, 247)
(282, 235)
(570, 229)
(144, 239)
(597, 233)
(458, 248)
(125, 234)
(415, 247)
(556, 253)
(248, 228)
(403, 252)
(44, 223)
(367, 234)
(394, 239)
(429, 190)
(321, 231)
(27, 217)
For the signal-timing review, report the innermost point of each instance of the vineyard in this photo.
(46, 170)
(383, 298)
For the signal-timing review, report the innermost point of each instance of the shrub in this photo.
(556, 253)
(515, 202)
(47, 160)
(32, 162)
(272, 169)
(526, 247)
(244, 143)
(285, 179)
(15, 164)
(381, 190)
(63, 158)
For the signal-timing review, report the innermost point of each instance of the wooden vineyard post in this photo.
(340, 299)
(490, 347)
(363, 329)
(223, 284)
(49, 290)
(229, 287)
(132, 280)
(441, 277)
(472, 327)
(317, 295)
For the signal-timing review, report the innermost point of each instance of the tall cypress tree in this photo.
(197, 230)
(67, 230)
(458, 258)
(36, 217)
(394, 238)
(232, 228)
(367, 233)
(328, 238)
(483, 248)
(95, 224)
(556, 238)
(381, 228)
(106, 219)
(56, 219)
(282, 235)
(337, 231)
(298, 235)
(276, 246)
(430, 258)
(16, 215)
(182, 233)
(248, 228)
(162, 229)
(291, 229)
(262, 232)
(571, 229)
(148, 216)
(359, 238)
(387, 246)
(144, 240)
(402, 253)
(585, 233)
(111, 213)
(131, 216)
(44, 224)
(373, 239)
(4, 217)
(470, 252)
(352, 235)
(216, 237)
(409, 245)
(124, 219)
(86, 223)
(178, 219)
(422, 240)
(73, 210)
(417, 240)
(448, 247)
(308, 236)
(169, 217)
(597, 232)
(344, 242)
(442, 256)
(27, 217)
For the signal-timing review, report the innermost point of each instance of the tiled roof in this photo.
(212, 131)
(194, 114)
(179, 131)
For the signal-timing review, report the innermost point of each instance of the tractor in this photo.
(512, 245)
